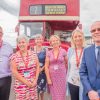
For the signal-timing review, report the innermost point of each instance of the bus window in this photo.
(31, 28)
(35, 9)
(48, 31)
(64, 35)
(22, 29)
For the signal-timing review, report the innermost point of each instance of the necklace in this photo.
(78, 57)
(26, 62)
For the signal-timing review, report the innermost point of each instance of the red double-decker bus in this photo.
(48, 17)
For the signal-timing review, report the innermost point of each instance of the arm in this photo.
(42, 69)
(47, 70)
(37, 72)
(84, 75)
(65, 58)
(92, 94)
(66, 62)
(37, 68)
(17, 75)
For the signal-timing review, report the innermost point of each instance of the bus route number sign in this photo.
(51, 9)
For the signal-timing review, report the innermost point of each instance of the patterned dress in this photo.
(57, 71)
(41, 84)
(22, 91)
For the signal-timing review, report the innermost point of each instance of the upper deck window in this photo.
(36, 10)
(50, 9)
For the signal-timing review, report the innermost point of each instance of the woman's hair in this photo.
(38, 36)
(22, 36)
(72, 40)
(52, 36)
(56, 36)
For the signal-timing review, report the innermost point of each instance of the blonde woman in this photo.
(74, 59)
(55, 68)
(25, 68)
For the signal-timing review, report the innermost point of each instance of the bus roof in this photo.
(65, 12)
(61, 10)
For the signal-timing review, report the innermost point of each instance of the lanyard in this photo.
(26, 62)
(78, 57)
(56, 59)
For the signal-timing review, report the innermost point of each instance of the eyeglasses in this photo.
(94, 30)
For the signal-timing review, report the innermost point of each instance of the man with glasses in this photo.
(90, 66)
(5, 73)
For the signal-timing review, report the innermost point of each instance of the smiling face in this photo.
(22, 44)
(39, 40)
(95, 31)
(55, 41)
(77, 39)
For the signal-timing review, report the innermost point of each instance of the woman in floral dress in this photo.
(25, 69)
(41, 53)
(55, 68)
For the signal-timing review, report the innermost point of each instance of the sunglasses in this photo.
(94, 30)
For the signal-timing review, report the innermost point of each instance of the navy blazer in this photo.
(89, 73)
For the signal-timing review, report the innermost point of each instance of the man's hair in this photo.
(95, 22)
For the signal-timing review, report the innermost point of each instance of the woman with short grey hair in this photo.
(25, 68)
(23, 36)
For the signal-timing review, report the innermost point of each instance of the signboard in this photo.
(51, 9)
(55, 9)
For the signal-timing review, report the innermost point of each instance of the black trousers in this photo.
(74, 91)
(5, 84)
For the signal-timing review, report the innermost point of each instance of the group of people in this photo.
(74, 73)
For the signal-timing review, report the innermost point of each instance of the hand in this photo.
(49, 82)
(93, 95)
(29, 84)
(41, 69)
(34, 82)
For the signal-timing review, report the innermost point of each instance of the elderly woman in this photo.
(25, 69)
(41, 53)
(55, 68)
(74, 60)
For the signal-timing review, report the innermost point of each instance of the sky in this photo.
(89, 12)
(9, 11)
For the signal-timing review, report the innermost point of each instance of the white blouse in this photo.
(73, 76)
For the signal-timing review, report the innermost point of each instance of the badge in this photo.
(26, 74)
(56, 67)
